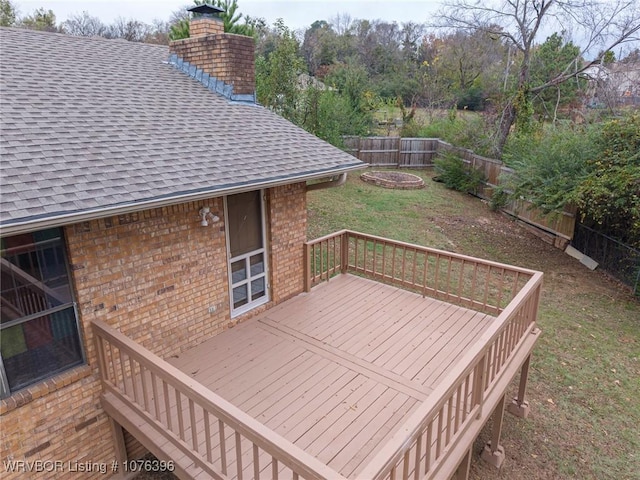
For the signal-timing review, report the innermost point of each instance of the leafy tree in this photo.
(604, 23)
(352, 82)
(8, 14)
(319, 47)
(230, 18)
(277, 74)
(329, 115)
(40, 19)
(548, 61)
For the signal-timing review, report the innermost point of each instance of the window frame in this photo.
(5, 389)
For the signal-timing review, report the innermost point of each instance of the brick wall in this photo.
(225, 56)
(288, 210)
(152, 275)
(199, 27)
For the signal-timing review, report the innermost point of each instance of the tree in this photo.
(8, 13)
(128, 29)
(601, 23)
(40, 19)
(158, 33)
(319, 47)
(471, 64)
(329, 115)
(548, 61)
(84, 25)
(277, 73)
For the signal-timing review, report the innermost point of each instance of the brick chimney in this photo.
(227, 57)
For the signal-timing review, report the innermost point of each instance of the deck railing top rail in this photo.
(476, 283)
(175, 404)
(423, 446)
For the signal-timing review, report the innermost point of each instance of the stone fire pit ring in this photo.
(391, 179)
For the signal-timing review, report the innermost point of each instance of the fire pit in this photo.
(388, 179)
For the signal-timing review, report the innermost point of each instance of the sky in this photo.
(296, 14)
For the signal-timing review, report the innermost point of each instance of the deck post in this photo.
(118, 441)
(518, 406)
(344, 252)
(493, 452)
(307, 268)
(462, 473)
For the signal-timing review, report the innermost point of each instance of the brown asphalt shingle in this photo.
(88, 123)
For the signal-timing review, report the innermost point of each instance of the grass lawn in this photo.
(584, 382)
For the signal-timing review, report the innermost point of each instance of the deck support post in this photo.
(518, 406)
(462, 473)
(307, 268)
(344, 252)
(118, 441)
(493, 452)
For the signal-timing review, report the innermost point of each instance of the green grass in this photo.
(584, 386)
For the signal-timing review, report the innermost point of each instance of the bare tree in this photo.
(342, 23)
(594, 24)
(131, 29)
(84, 25)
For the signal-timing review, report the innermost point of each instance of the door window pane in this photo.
(238, 271)
(257, 288)
(240, 296)
(257, 264)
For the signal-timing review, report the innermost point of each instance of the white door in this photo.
(246, 251)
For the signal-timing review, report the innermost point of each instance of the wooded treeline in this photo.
(335, 77)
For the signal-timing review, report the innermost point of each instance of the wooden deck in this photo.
(355, 378)
(336, 371)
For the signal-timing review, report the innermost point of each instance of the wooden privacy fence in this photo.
(393, 151)
(200, 426)
(431, 443)
(397, 152)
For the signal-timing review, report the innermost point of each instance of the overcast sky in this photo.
(296, 14)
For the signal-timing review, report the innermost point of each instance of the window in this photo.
(39, 334)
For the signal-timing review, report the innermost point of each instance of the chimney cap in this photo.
(206, 10)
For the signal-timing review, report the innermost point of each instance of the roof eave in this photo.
(59, 220)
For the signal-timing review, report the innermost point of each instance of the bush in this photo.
(457, 175)
(549, 165)
(470, 131)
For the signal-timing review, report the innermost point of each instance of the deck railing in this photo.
(422, 447)
(219, 438)
(471, 282)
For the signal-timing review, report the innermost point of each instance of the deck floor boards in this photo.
(337, 370)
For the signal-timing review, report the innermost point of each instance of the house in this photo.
(149, 207)
(613, 85)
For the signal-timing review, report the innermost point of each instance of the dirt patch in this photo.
(399, 180)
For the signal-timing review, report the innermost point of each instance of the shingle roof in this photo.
(90, 123)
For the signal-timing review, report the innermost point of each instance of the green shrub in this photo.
(549, 165)
(468, 130)
(457, 175)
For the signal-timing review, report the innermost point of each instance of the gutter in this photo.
(30, 225)
(333, 182)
